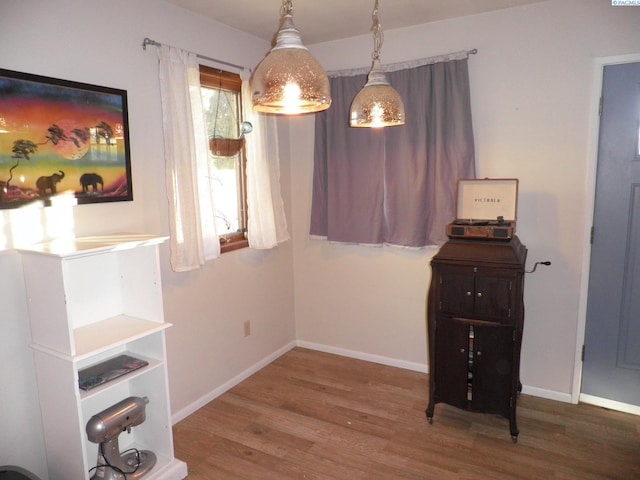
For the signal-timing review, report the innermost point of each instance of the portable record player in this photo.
(486, 209)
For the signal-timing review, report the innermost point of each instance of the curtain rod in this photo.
(404, 65)
(148, 41)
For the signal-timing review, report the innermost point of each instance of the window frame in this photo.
(219, 79)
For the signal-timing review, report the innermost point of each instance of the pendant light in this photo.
(377, 104)
(289, 80)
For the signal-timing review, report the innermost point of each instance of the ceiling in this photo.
(324, 20)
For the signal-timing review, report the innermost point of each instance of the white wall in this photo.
(532, 94)
(20, 442)
(100, 42)
(531, 88)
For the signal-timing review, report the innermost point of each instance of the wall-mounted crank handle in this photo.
(547, 263)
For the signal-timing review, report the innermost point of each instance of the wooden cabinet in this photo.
(475, 321)
(89, 300)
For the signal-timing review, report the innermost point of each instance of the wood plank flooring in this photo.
(312, 415)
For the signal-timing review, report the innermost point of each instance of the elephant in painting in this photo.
(92, 179)
(45, 183)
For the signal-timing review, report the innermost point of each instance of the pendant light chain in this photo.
(287, 7)
(378, 36)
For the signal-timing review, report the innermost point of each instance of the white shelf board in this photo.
(153, 364)
(102, 336)
(82, 246)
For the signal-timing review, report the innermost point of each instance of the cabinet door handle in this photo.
(468, 294)
(479, 294)
(462, 350)
(479, 354)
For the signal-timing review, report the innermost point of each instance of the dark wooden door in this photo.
(493, 295)
(456, 290)
(452, 347)
(492, 368)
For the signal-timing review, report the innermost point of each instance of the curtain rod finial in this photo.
(148, 41)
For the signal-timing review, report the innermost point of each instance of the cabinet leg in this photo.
(513, 429)
(429, 412)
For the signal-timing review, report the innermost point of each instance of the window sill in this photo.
(231, 244)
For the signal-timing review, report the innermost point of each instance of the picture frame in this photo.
(60, 137)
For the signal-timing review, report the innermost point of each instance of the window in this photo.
(221, 100)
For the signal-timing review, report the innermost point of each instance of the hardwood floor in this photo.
(312, 415)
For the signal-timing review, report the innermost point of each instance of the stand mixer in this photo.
(105, 427)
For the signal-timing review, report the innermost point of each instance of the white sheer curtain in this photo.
(189, 183)
(267, 222)
(189, 180)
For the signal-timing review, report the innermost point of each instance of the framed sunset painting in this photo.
(60, 137)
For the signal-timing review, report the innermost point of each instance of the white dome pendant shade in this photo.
(377, 104)
(289, 80)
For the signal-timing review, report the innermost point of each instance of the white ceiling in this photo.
(324, 20)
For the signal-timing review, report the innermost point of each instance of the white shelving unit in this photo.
(91, 299)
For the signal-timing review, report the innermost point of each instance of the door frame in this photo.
(592, 159)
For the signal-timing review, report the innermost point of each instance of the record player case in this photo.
(485, 209)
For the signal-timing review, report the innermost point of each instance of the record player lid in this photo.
(487, 199)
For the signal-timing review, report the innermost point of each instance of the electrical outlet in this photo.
(247, 328)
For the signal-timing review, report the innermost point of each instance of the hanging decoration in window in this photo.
(224, 146)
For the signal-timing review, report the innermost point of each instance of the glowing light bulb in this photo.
(292, 100)
(377, 116)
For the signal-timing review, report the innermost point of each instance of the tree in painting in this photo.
(21, 151)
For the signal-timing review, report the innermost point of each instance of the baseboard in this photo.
(609, 404)
(202, 401)
(391, 362)
(548, 394)
(418, 367)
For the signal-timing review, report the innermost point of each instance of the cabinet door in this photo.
(492, 368)
(456, 290)
(493, 295)
(452, 361)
